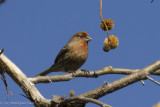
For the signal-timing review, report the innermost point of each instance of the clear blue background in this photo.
(33, 32)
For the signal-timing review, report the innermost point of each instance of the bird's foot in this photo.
(85, 71)
(73, 73)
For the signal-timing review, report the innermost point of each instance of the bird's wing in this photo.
(61, 54)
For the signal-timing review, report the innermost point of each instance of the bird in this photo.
(72, 56)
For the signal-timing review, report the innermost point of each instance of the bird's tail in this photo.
(47, 71)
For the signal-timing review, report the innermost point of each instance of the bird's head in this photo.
(81, 36)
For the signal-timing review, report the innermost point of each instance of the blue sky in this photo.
(33, 32)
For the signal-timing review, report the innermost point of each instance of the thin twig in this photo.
(103, 21)
(6, 85)
(153, 80)
(1, 51)
(142, 82)
(3, 77)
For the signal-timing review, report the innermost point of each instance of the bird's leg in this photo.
(72, 72)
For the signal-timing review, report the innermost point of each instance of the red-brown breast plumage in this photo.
(72, 56)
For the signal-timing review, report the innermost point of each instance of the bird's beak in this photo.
(88, 39)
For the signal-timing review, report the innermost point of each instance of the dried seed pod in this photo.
(112, 44)
(109, 23)
(106, 48)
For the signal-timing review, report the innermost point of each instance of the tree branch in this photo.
(153, 80)
(82, 100)
(20, 78)
(79, 73)
(34, 95)
(123, 82)
(68, 76)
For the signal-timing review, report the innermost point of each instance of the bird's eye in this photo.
(81, 36)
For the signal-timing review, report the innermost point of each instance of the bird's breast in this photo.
(79, 52)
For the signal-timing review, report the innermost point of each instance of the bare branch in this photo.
(68, 76)
(91, 74)
(153, 80)
(123, 82)
(34, 95)
(130, 71)
(83, 100)
(20, 78)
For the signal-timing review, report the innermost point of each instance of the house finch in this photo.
(72, 56)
